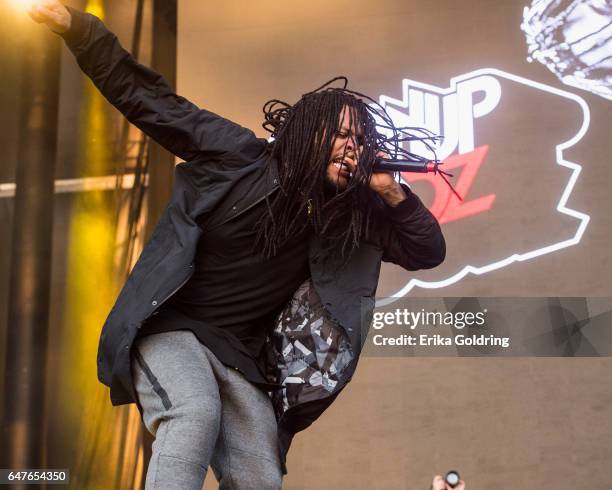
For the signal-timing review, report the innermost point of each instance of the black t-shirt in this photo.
(235, 295)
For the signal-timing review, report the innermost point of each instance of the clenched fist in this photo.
(52, 13)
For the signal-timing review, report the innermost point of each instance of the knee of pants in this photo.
(250, 472)
(272, 480)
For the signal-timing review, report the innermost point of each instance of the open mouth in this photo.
(344, 168)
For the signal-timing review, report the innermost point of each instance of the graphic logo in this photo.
(506, 139)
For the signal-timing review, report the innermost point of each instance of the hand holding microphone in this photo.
(384, 163)
(382, 182)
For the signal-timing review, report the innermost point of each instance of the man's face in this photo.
(346, 148)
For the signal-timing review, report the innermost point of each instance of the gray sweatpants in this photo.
(202, 413)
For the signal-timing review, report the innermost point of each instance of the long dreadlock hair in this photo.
(304, 135)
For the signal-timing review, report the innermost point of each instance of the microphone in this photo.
(419, 166)
(405, 165)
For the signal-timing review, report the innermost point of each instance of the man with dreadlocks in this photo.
(246, 312)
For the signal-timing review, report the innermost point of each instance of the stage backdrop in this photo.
(528, 142)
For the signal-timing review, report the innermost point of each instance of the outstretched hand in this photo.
(52, 13)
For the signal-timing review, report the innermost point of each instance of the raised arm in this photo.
(139, 93)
